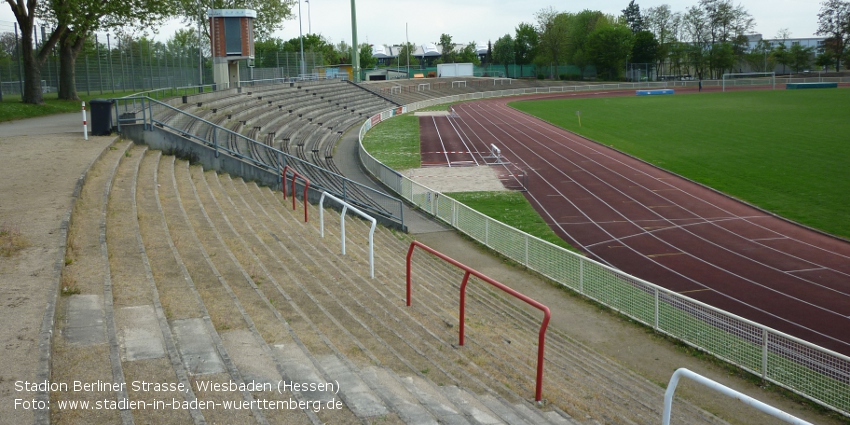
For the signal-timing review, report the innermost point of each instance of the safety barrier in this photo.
(811, 371)
(345, 207)
(541, 341)
(716, 386)
(283, 186)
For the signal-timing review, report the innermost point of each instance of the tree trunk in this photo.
(70, 45)
(32, 69)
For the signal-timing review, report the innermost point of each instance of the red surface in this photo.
(665, 229)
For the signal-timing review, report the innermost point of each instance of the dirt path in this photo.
(40, 162)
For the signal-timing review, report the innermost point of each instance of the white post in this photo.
(85, 126)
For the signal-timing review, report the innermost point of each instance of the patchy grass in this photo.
(11, 240)
(512, 209)
(11, 107)
(785, 151)
(395, 142)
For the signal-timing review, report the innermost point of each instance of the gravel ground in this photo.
(40, 162)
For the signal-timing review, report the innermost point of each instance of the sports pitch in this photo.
(784, 151)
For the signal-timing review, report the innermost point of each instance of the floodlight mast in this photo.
(355, 50)
(301, 38)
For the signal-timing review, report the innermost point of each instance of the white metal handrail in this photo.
(716, 386)
(346, 206)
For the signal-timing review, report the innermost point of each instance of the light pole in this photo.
(301, 37)
(309, 22)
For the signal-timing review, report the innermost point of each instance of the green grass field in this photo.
(395, 142)
(785, 151)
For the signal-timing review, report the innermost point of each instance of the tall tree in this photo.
(447, 48)
(662, 22)
(609, 48)
(88, 16)
(633, 17)
(581, 26)
(33, 58)
(801, 57)
(759, 58)
(553, 29)
(503, 51)
(645, 48)
(525, 45)
(469, 54)
(781, 55)
(367, 60)
(834, 22)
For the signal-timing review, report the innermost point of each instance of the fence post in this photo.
(581, 276)
(764, 338)
(656, 308)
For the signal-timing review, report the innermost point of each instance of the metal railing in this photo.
(151, 112)
(814, 372)
(547, 315)
(345, 207)
(295, 174)
(716, 386)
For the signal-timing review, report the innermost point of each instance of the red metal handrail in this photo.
(541, 344)
(306, 186)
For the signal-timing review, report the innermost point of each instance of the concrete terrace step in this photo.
(436, 366)
(216, 280)
(82, 352)
(566, 361)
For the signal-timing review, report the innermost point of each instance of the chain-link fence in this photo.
(813, 372)
(109, 64)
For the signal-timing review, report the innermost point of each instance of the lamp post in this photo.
(309, 22)
(301, 38)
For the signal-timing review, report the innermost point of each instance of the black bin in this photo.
(101, 117)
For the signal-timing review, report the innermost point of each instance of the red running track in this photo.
(667, 230)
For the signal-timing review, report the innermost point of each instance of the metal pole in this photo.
(99, 69)
(355, 50)
(407, 48)
(200, 58)
(309, 21)
(301, 38)
(109, 55)
(88, 82)
(20, 68)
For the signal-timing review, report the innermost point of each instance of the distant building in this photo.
(816, 43)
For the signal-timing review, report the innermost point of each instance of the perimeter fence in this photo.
(813, 372)
(108, 63)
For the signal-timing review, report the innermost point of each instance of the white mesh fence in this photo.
(816, 373)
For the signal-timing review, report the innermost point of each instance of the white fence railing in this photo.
(813, 372)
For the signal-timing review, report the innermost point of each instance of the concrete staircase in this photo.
(191, 278)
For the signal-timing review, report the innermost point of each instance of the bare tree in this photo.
(834, 22)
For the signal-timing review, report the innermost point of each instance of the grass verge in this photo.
(513, 209)
(11, 107)
(395, 142)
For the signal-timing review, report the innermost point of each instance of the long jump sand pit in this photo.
(457, 179)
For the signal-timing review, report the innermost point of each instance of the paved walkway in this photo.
(41, 160)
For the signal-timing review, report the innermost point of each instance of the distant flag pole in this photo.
(578, 114)
(85, 127)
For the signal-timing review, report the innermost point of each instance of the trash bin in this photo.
(101, 117)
